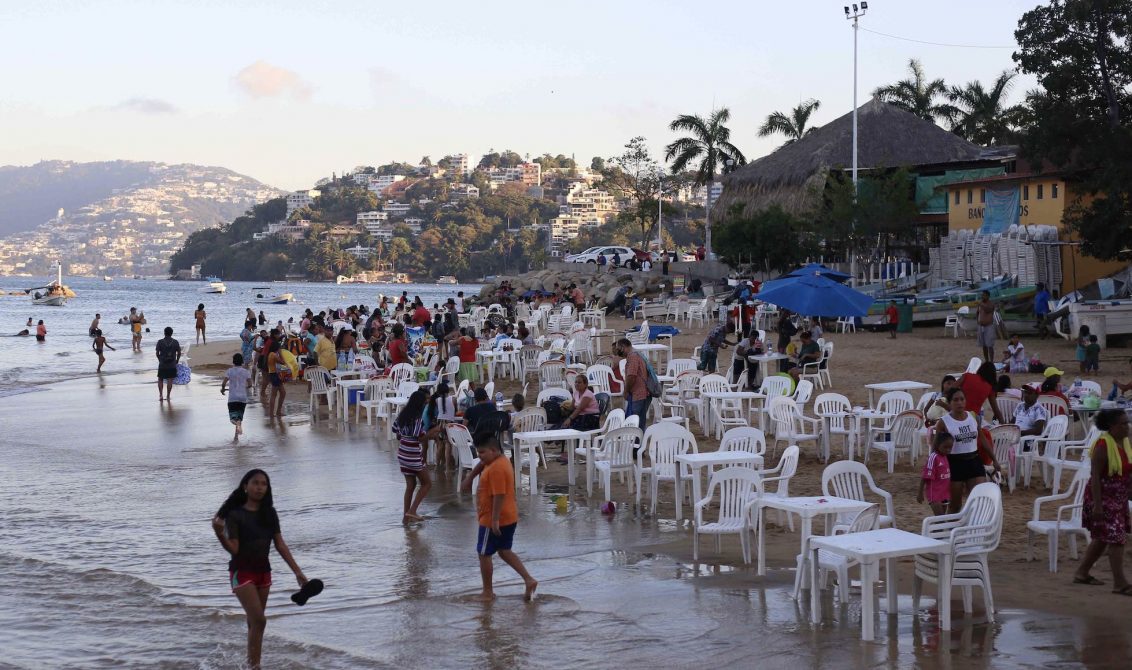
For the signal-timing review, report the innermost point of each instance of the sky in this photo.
(288, 92)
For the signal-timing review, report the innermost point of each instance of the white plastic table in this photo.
(649, 349)
(346, 374)
(763, 360)
(486, 358)
(870, 547)
(885, 387)
(344, 387)
(695, 461)
(531, 439)
(807, 508)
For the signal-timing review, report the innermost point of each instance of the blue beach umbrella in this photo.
(815, 295)
(818, 268)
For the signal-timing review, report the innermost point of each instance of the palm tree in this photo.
(979, 114)
(709, 143)
(916, 94)
(792, 125)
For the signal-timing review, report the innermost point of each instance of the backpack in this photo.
(651, 382)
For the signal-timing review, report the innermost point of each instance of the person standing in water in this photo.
(199, 316)
(412, 429)
(136, 321)
(246, 525)
(239, 378)
(98, 343)
(94, 325)
(40, 332)
(168, 355)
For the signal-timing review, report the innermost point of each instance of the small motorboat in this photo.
(215, 285)
(54, 294)
(264, 297)
(446, 279)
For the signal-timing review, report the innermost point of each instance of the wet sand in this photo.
(1048, 606)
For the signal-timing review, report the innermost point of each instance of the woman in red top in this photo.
(398, 346)
(468, 344)
(979, 388)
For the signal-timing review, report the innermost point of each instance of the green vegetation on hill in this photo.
(490, 235)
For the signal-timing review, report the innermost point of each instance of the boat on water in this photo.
(107, 278)
(215, 285)
(264, 296)
(375, 277)
(54, 294)
(446, 279)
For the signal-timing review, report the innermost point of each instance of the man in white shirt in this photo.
(1029, 416)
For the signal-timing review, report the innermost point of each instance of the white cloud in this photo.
(264, 80)
(144, 106)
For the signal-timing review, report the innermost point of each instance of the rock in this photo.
(611, 295)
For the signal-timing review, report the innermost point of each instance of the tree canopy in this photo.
(792, 125)
(769, 240)
(917, 95)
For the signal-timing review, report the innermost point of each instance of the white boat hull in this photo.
(281, 299)
(51, 301)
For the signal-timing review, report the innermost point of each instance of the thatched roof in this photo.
(887, 137)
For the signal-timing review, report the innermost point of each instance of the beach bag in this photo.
(184, 374)
(553, 409)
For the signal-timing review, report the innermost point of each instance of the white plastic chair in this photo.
(664, 441)
(1005, 440)
(1067, 520)
(772, 387)
(451, 369)
(530, 420)
(832, 410)
(846, 324)
(903, 434)
(790, 426)
(1054, 405)
(600, 378)
(376, 391)
(745, 438)
(1049, 443)
(698, 312)
(678, 365)
(1006, 406)
(546, 394)
(617, 457)
(552, 374)
(850, 479)
(681, 394)
(727, 414)
(780, 475)
(739, 489)
(708, 384)
(862, 521)
(972, 533)
(529, 359)
(954, 325)
(462, 447)
(802, 393)
(1070, 462)
(316, 375)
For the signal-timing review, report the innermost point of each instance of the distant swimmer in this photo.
(30, 323)
(246, 526)
(97, 345)
(23, 333)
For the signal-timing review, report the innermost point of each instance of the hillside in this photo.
(118, 217)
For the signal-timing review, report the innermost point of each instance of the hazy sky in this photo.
(287, 92)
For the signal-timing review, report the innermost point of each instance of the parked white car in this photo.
(590, 255)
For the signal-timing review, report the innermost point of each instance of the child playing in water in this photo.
(498, 514)
(936, 478)
(239, 378)
(97, 344)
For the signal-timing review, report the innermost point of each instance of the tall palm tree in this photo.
(709, 143)
(916, 94)
(792, 125)
(980, 115)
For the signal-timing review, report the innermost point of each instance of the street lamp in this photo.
(854, 16)
(659, 193)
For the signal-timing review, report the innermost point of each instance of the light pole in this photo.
(854, 16)
(659, 193)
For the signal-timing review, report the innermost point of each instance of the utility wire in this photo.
(937, 44)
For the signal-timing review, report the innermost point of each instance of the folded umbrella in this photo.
(815, 295)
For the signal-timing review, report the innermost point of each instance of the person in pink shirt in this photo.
(936, 479)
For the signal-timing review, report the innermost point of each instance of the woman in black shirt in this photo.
(246, 525)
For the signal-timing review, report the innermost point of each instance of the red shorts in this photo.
(238, 578)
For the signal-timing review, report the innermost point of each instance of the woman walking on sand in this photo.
(199, 316)
(1105, 511)
(275, 368)
(246, 525)
(412, 428)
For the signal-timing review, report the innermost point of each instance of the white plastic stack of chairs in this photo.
(973, 534)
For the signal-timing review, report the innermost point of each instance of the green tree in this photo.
(792, 125)
(770, 240)
(635, 175)
(881, 211)
(981, 115)
(1080, 52)
(917, 95)
(709, 144)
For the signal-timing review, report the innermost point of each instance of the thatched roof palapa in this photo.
(887, 137)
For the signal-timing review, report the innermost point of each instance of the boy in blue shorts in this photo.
(498, 514)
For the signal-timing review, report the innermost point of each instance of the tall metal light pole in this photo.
(854, 16)
(659, 224)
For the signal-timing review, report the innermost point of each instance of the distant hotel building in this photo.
(527, 174)
(458, 165)
(379, 184)
(463, 191)
(301, 199)
(396, 208)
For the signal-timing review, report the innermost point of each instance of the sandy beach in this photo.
(862, 358)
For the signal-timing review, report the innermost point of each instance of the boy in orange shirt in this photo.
(498, 514)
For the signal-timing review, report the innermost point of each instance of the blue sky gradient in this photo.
(289, 91)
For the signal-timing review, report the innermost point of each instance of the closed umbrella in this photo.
(815, 295)
(818, 268)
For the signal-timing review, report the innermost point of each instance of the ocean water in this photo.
(67, 353)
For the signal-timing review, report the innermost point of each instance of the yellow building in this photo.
(1039, 199)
